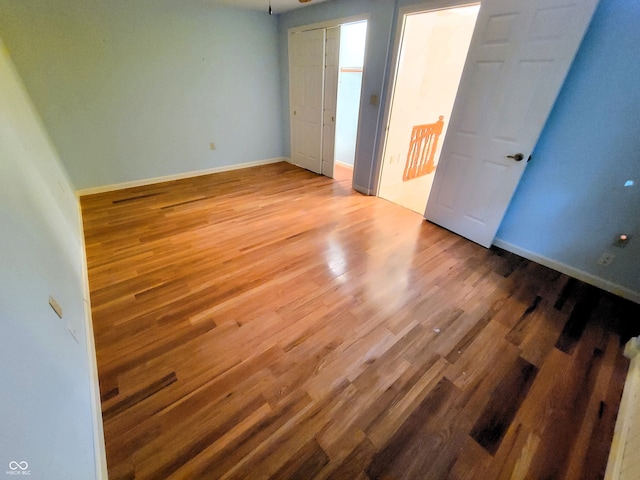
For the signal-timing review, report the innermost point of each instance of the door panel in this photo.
(332, 63)
(519, 56)
(307, 83)
(485, 76)
(457, 165)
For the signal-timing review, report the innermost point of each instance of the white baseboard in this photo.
(344, 164)
(581, 275)
(99, 450)
(178, 176)
(363, 190)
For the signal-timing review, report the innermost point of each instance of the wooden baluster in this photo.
(422, 150)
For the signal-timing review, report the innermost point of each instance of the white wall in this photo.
(132, 90)
(45, 388)
(352, 47)
(572, 202)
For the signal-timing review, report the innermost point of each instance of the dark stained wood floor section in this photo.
(272, 323)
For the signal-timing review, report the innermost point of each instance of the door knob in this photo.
(517, 157)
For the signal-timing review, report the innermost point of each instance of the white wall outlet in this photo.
(212, 146)
(56, 306)
(606, 259)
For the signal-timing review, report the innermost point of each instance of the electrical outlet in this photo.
(606, 259)
(212, 146)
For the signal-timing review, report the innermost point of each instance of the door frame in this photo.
(423, 7)
(337, 22)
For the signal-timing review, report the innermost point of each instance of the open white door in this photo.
(331, 71)
(306, 67)
(519, 56)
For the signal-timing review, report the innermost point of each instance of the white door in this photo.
(331, 70)
(519, 56)
(306, 79)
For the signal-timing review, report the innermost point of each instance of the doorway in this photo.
(351, 65)
(432, 52)
(326, 64)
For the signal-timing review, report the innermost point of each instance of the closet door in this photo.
(306, 80)
(331, 72)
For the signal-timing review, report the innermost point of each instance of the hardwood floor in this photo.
(272, 323)
(343, 173)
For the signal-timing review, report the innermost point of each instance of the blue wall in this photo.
(571, 202)
(132, 90)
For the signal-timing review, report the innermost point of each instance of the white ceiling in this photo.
(278, 6)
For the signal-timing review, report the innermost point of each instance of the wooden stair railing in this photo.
(422, 149)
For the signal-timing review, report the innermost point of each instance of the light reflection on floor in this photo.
(389, 269)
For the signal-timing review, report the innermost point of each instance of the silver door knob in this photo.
(517, 157)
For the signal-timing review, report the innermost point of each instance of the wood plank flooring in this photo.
(272, 323)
